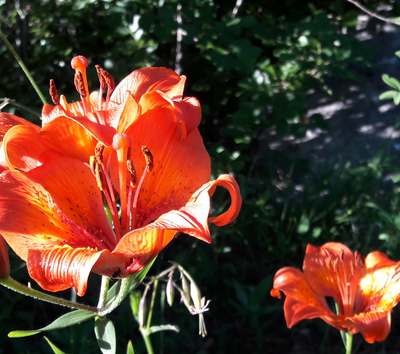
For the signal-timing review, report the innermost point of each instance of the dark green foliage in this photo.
(251, 74)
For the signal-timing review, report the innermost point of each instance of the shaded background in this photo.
(289, 95)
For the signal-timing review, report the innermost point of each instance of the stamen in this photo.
(98, 152)
(92, 162)
(132, 172)
(103, 85)
(149, 167)
(64, 104)
(100, 177)
(53, 93)
(149, 158)
(79, 84)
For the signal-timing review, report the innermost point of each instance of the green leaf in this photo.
(388, 95)
(391, 81)
(64, 321)
(396, 178)
(139, 276)
(105, 334)
(135, 297)
(55, 349)
(304, 225)
(129, 349)
(397, 53)
(396, 99)
(154, 329)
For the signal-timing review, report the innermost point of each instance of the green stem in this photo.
(9, 101)
(349, 342)
(153, 298)
(147, 341)
(123, 291)
(105, 282)
(22, 65)
(12, 284)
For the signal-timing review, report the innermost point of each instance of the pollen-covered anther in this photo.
(53, 93)
(93, 163)
(80, 84)
(149, 158)
(98, 153)
(121, 141)
(103, 83)
(132, 172)
(109, 81)
(100, 179)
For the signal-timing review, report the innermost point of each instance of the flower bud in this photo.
(185, 285)
(142, 311)
(4, 260)
(170, 290)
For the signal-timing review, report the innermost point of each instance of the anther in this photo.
(93, 164)
(98, 152)
(148, 157)
(109, 81)
(80, 83)
(132, 172)
(103, 83)
(101, 183)
(53, 93)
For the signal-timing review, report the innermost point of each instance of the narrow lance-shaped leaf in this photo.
(64, 321)
(52, 346)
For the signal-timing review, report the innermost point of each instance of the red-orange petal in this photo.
(142, 245)
(379, 288)
(21, 148)
(7, 121)
(301, 302)
(145, 80)
(317, 267)
(231, 185)
(374, 325)
(62, 267)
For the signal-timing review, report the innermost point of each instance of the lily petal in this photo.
(301, 302)
(379, 289)
(60, 268)
(144, 80)
(374, 325)
(317, 267)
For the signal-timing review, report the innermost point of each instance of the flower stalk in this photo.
(12, 284)
(24, 68)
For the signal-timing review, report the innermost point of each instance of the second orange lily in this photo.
(365, 290)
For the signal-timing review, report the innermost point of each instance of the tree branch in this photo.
(373, 14)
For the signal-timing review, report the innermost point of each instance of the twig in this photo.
(373, 14)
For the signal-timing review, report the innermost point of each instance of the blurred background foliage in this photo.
(251, 64)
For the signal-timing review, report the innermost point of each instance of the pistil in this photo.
(79, 64)
(122, 144)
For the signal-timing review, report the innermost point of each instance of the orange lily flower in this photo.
(140, 154)
(365, 290)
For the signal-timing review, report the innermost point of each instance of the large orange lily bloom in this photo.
(139, 152)
(365, 290)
